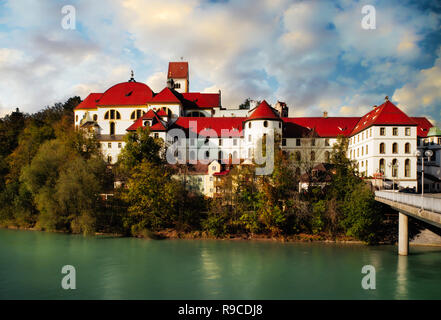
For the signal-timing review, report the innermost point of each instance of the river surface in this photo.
(129, 268)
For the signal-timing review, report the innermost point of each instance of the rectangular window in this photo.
(283, 142)
(407, 131)
(395, 131)
(119, 145)
(249, 138)
(220, 142)
(234, 142)
(382, 131)
(192, 142)
(109, 145)
(156, 135)
(298, 142)
(313, 142)
(370, 132)
(327, 142)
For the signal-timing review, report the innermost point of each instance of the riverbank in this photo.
(173, 234)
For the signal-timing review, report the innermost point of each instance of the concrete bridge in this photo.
(426, 208)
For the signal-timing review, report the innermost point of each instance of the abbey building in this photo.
(382, 143)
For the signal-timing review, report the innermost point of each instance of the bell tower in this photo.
(178, 76)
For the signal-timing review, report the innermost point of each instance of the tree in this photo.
(151, 196)
(361, 214)
(139, 146)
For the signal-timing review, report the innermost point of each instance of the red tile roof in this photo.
(201, 100)
(162, 113)
(127, 93)
(90, 101)
(263, 111)
(221, 173)
(149, 115)
(166, 96)
(321, 126)
(157, 125)
(203, 125)
(177, 70)
(423, 126)
(386, 114)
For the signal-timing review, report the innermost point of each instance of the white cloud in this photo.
(423, 92)
(275, 50)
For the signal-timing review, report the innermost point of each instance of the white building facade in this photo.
(382, 143)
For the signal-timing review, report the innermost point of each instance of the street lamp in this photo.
(393, 166)
(428, 154)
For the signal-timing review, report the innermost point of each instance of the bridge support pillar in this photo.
(403, 235)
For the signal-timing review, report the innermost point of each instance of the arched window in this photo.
(112, 115)
(312, 155)
(382, 149)
(249, 124)
(265, 124)
(220, 155)
(327, 156)
(395, 147)
(207, 154)
(95, 117)
(137, 114)
(109, 159)
(381, 167)
(407, 168)
(298, 156)
(112, 128)
(394, 168)
(407, 147)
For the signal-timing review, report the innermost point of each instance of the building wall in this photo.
(364, 149)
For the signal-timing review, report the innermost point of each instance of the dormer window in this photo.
(128, 94)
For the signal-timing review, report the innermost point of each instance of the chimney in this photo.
(325, 114)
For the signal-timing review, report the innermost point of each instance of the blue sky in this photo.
(312, 54)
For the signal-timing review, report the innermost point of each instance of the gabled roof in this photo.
(157, 124)
(201, 100)
(263, 111)
(321, 126)
(424, 126)
(177, 70)
(126, 93)
(166, 96)
(208, 126)
(149, 115)
(386, 114)
(90, 101)
(162, 113)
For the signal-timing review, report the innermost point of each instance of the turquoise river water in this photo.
(129, 268)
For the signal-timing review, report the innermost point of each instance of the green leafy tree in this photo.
(139, 146)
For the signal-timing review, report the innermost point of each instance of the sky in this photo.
(313, 55)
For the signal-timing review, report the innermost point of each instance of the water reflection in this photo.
(402, 278)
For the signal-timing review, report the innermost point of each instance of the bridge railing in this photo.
(415, 200)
